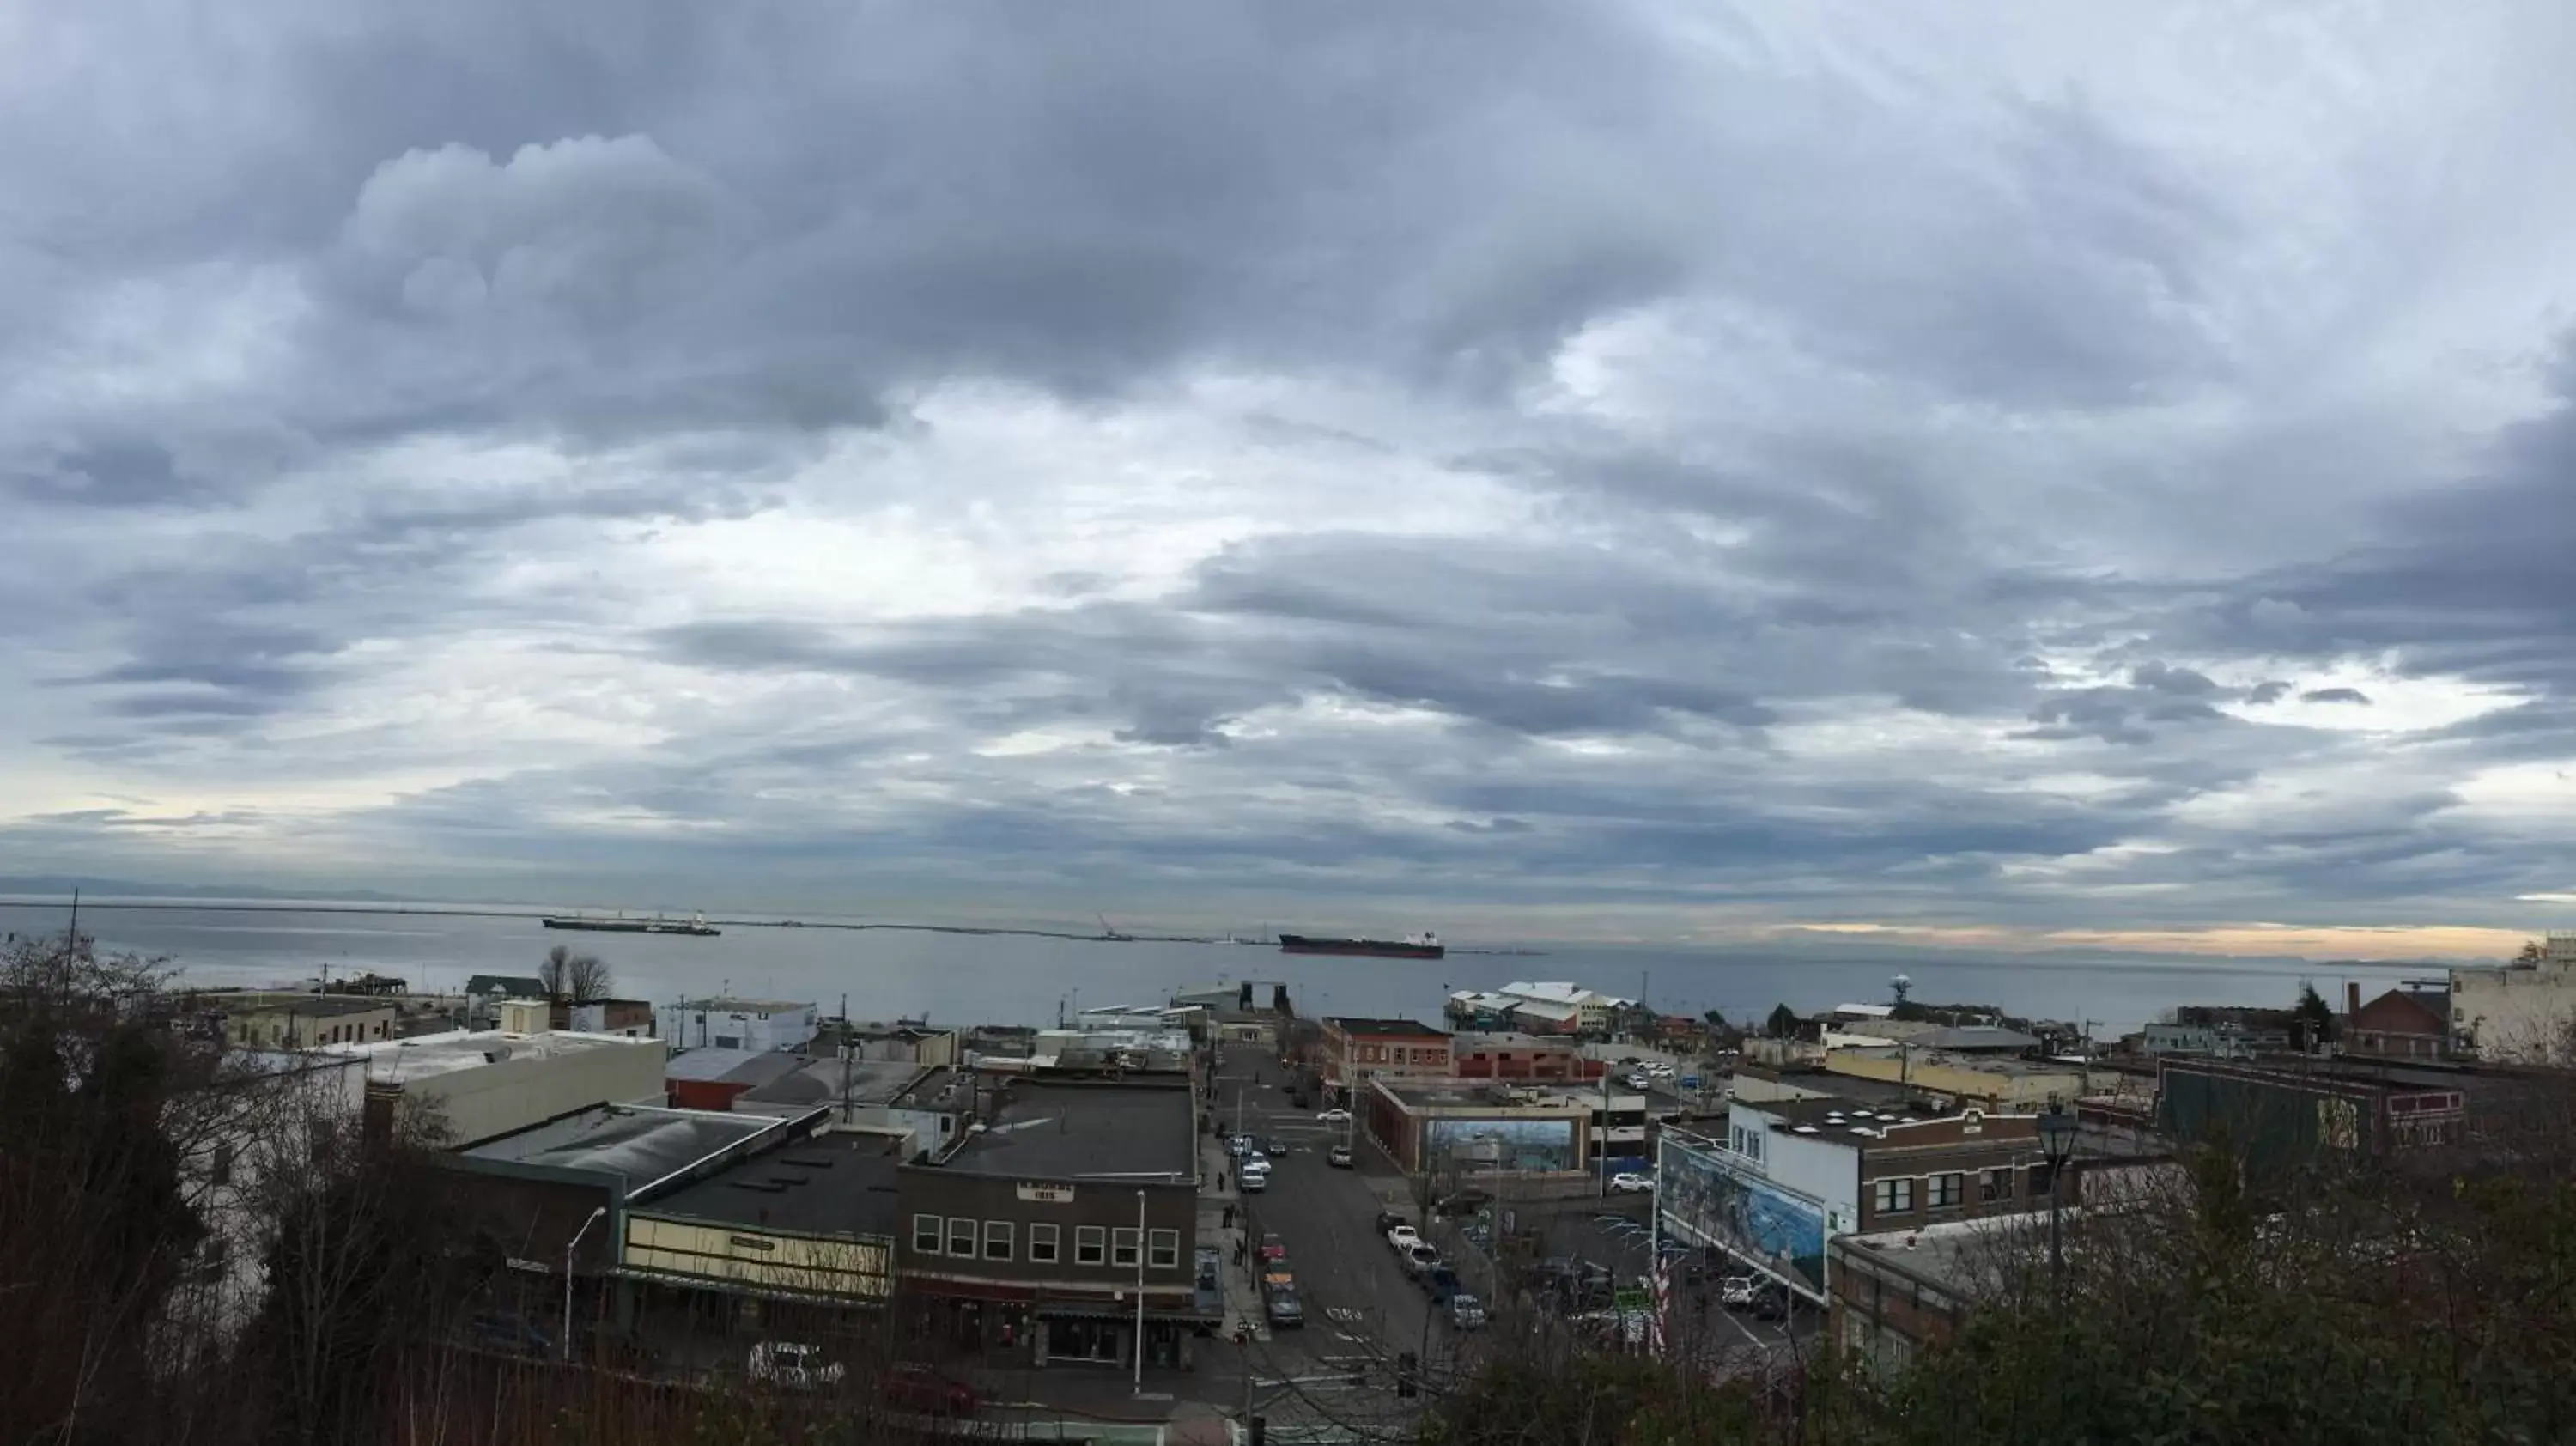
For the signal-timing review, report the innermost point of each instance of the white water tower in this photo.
(1900, 984)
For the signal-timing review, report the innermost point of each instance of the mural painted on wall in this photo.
(1503, 1144)
(1782, 1230)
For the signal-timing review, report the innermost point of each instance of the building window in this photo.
(961, 1237)
(1943, 1191)
(1122, 1247)
(1892, 1197)
(222, 1171)
(1994, 1185)
(1088, 1244)
(1042, 1244)
(1163, 1249)
(925, 1234)
(997, 1240)
(2042, 1179)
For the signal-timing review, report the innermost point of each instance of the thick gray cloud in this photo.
(1614, 468)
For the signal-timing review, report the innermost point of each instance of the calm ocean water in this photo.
(998, 979)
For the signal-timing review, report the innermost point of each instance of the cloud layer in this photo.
(1618, 469)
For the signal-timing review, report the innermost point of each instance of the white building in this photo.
(754, 1024)
(478, 1084)
(1592, 1008)
(2519, 1013)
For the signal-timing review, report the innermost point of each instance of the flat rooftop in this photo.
(1509, 1039)
(830, 1184)
(1963, 1257)
(744, 1006)
(1789, 1114)
(1083, 1131)
(640, 1144)
(323, 1006)
(737, 1066)
(1485, 1095)
(425, 1055)
(819, 1081)
(1385, 1028)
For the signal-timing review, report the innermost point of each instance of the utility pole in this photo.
(1140, 1292)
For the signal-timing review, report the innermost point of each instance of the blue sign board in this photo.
(1690, 1081)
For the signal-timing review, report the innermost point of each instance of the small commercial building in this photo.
(1519, 1057)
(1899, 1293)
(1950, 1077)
(1031, 1236)
(2407, 1023)
(253, 1019)
(1466, 1129)
(2301, 1111)
(1789, 1176)
(1356, 1049)
(626, 1018)
(712, 1079)
(477, 1084)
(809, 1220)
(753, 1024)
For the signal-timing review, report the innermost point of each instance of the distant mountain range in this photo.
(42, 885)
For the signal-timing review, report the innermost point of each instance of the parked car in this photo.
(911, 1386)
(1274, 1148)
(1660, 1071)
(1339, 1157)
(1771, 1303)
(1402, 1237)
(1253, 1179)
(1628, 1182)
(794, 1365)
(1736, 1292)
(1388, 1219)
(1639, 1079)
(1419, 1258)
(1285, 1310)
(1439, 1283)
(1273, 1248)
(1465, 1311)
(512, 1334)
(1334, 1117)
(1462, 1202)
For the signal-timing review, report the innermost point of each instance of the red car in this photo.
(1273, 1248)
(915, 1387)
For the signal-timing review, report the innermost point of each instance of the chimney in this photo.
(2351, 998)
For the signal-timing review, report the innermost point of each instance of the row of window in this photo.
(962, 1237)
(1896, 1195)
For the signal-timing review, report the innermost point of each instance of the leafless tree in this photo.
(574, 978)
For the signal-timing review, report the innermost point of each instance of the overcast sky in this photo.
(2103, 474)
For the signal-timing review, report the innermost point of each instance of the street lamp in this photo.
(2057, 1129)
(595, 1216)
(1140, 1292)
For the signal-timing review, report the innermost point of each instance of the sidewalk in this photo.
(1242, 1302)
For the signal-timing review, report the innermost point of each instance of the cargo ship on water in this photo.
(695, 925)
(1425, 945)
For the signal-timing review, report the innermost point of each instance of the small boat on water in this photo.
(1425, 945)
(695, 925)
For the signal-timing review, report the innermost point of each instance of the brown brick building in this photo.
(1357, 1049)
(1031, 1235)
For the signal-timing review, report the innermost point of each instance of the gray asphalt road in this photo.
(1360, 1306)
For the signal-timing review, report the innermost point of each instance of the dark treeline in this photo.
(198, 1246)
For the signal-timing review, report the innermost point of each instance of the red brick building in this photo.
(2400, 1024)
(1356, 1049)
(1517, 1056)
